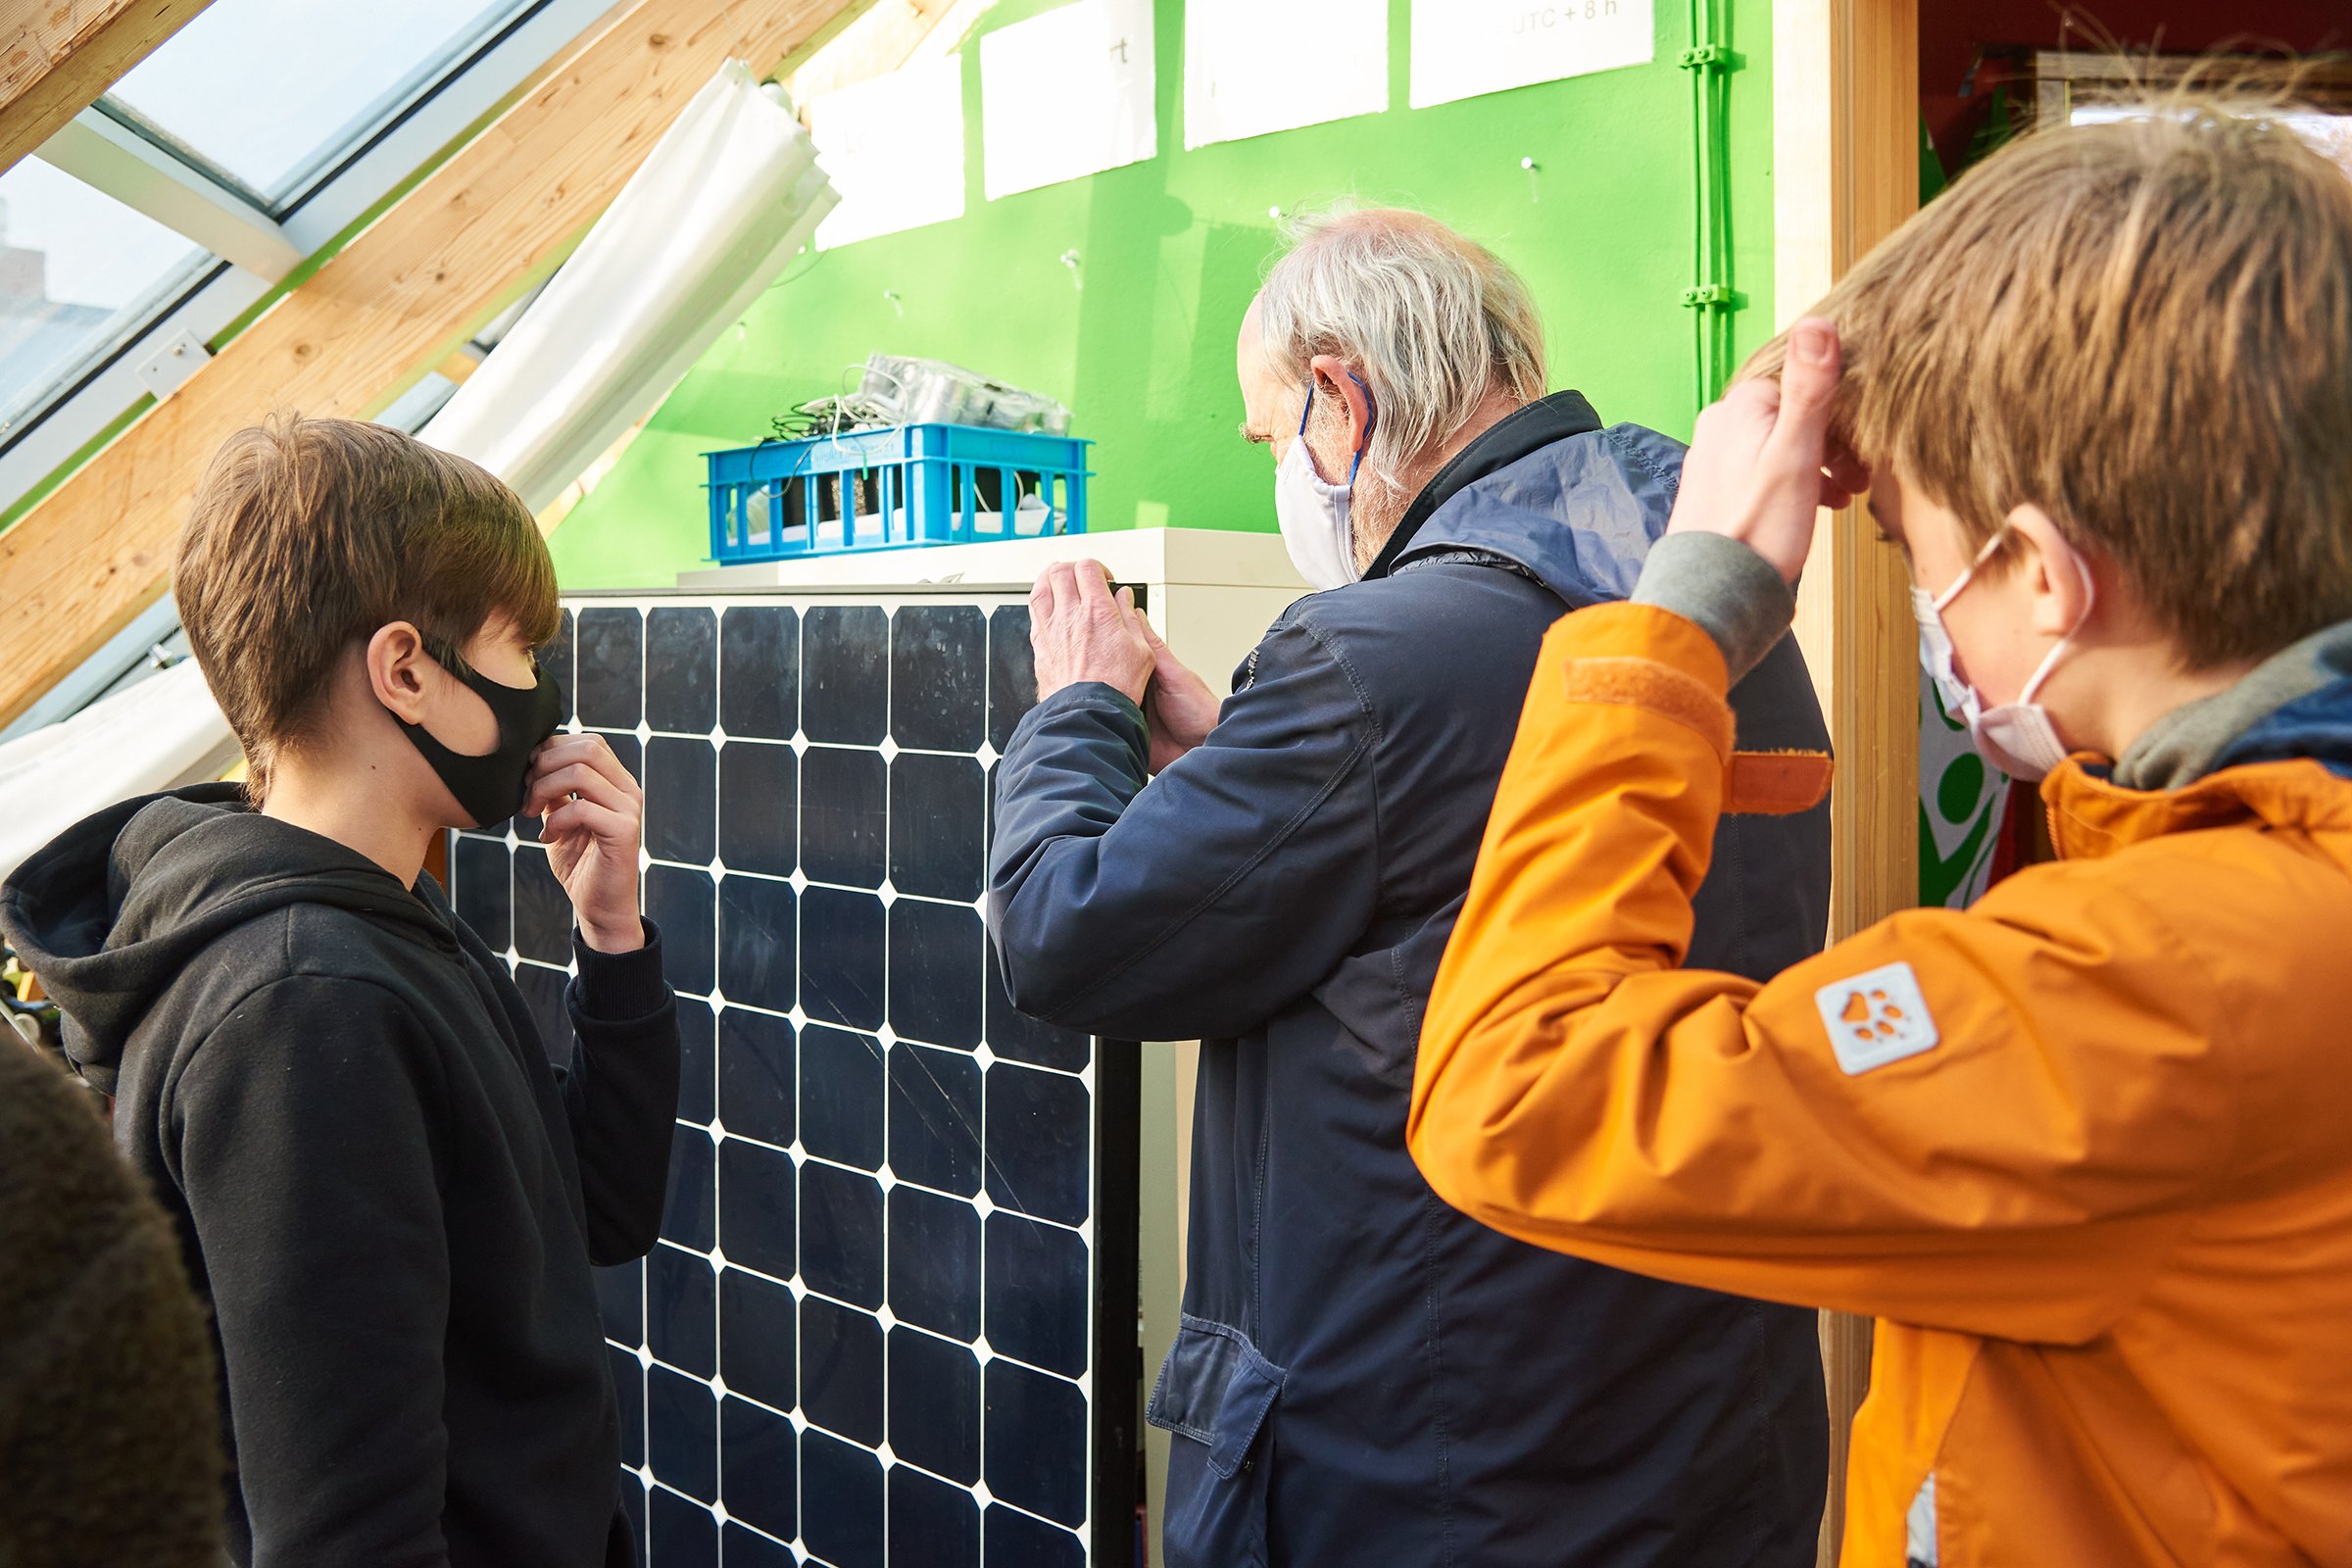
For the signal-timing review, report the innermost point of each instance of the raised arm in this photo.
(1919, 1123)
(1913, 1124)
(620, 1088)
(1202, 904)
(620, 1093)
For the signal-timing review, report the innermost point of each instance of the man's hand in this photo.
(1179, 704)
(1760, 462)
(593, 815)
(1079, 633)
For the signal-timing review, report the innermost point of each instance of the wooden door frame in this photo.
(1846, 174)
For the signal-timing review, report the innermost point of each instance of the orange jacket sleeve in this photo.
(2019, 1106)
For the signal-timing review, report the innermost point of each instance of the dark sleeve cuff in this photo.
(1732, 594)
(1103, 700)
(618, 987)
(1099, 695)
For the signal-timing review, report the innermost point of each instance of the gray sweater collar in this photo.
(2190, 741)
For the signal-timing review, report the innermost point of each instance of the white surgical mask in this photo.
(1312, 511)
(2016, 737)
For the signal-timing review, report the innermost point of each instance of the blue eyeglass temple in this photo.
(1369, 424)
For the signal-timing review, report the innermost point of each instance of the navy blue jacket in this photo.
(1364, 1375)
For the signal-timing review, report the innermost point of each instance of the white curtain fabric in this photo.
(709, 221)
(163, 732)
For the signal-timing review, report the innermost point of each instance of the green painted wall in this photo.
(1140, 342)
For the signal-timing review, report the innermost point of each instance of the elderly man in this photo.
(1362, 1374)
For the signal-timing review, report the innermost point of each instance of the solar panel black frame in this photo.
(705, 1410)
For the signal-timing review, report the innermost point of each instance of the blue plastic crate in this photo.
(910, 484)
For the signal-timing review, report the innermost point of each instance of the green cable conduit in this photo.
(1710, 61)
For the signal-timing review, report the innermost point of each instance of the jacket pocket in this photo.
(1215, 1393)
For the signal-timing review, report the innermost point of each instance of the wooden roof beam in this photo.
(395, 302)
(57, 56)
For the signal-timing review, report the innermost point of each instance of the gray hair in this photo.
(1435, 321)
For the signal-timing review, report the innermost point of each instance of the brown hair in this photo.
(2144, 329)
(307, 536)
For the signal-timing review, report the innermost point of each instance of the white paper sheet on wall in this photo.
(1066, 95)
(1257, 66)
(1463, 48)
(893, 147)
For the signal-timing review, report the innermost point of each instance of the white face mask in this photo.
(2016, 737)
(1313, 512)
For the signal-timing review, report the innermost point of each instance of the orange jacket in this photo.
(2082, 1149)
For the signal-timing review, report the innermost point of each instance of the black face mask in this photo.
(490, 787)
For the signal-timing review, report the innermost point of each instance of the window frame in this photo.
(92, 397)
(404, 97)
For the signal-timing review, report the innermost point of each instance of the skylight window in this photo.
(281, 123)
(266, 94)
(76, 270)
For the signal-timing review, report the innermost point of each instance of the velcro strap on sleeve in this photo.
(1775, 783)
(1659, 688)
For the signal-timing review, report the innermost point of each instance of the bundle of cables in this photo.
(831, 415)
(896, 390)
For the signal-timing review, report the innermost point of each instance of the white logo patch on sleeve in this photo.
(1876, 1018)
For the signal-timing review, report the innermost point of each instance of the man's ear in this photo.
(2056, 575)
(1335, 378)
(399, 669)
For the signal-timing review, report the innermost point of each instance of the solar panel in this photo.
(891, 1319)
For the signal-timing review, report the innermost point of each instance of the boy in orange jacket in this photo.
(2081, 1149)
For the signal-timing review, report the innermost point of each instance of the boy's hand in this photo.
(593, 815)
(1178, 704)
(1760, 462)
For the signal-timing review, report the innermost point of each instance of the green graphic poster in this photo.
(1961, 803)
